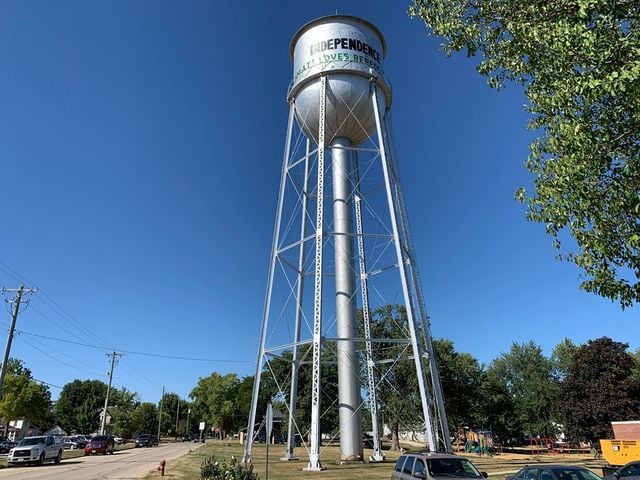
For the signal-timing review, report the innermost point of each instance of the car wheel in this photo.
(41, 459)
(58, 457)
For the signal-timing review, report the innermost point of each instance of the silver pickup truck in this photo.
(35, 450)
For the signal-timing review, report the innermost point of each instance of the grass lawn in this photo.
(498, 466)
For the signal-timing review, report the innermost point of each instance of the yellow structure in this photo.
(619, 452)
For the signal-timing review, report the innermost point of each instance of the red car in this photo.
(100, 444)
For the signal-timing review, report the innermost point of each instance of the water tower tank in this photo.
(350, 50)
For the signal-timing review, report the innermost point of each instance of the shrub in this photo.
(212, 469)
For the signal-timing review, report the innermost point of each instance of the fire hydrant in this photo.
(161, 467)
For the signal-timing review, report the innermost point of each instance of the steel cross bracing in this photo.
(377, 455)
(267, 303)
(298, 319)
(444, 438)
(384, 251)
(417, 347)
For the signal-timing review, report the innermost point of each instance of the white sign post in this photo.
(268, 428)
(201, 430)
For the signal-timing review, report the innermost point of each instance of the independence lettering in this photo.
(344, 44)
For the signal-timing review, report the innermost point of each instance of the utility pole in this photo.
(160, 416)
(14, 316)
(114, 356)
(7, 349)
(177, 416)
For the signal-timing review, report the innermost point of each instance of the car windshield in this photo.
(575, 474)
(99, 438)
(452, 467)
(25, 442)
(144, 437)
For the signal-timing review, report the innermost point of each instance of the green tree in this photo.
(169, 404)
(23, 397)
(243, 403)
(122, 405)
(398, 392)
(599, 387)
(276, 383)
(215, 400)
(636, 367)
(578, 63)
(174, 409)
(79, 405)
(562, 357)
(462, 378)
(498, 406)
(527, 377)
(144, 418)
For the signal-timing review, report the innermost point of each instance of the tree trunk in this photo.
(395, 439)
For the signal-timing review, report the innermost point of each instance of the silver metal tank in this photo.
(351, 50)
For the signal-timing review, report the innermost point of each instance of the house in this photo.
(19, 429)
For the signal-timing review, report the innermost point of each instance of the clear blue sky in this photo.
(141, 142)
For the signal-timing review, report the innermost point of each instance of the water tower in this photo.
(341, 254)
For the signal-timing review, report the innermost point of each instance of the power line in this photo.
(47, 354)
(133, 352)
(47, 383)
(52, 304)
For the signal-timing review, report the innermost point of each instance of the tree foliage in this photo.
(216, 401)
(578, 61)
(462, 378)
(276, 380)
(600, 387)
(398, 392)
(527, 376)
(23, 397)
(636, 367)
(562, 357)
(79, 405)
(144, 418)
(122, 404)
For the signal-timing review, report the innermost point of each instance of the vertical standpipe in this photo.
(351, 447)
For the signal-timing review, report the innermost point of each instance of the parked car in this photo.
(71, 443)
(630, 471)
(186, 438)
(118, 440)
(6, 445)
(431, 466)
(554, 472)
(146, 440)
(35, 450)
(100, 444)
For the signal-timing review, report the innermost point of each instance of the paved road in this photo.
(122, 465)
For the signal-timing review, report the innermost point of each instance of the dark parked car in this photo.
(100, 444)
(6, 445)
(146, 440)
(554, 472)
(631, 471)
(186, 438)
